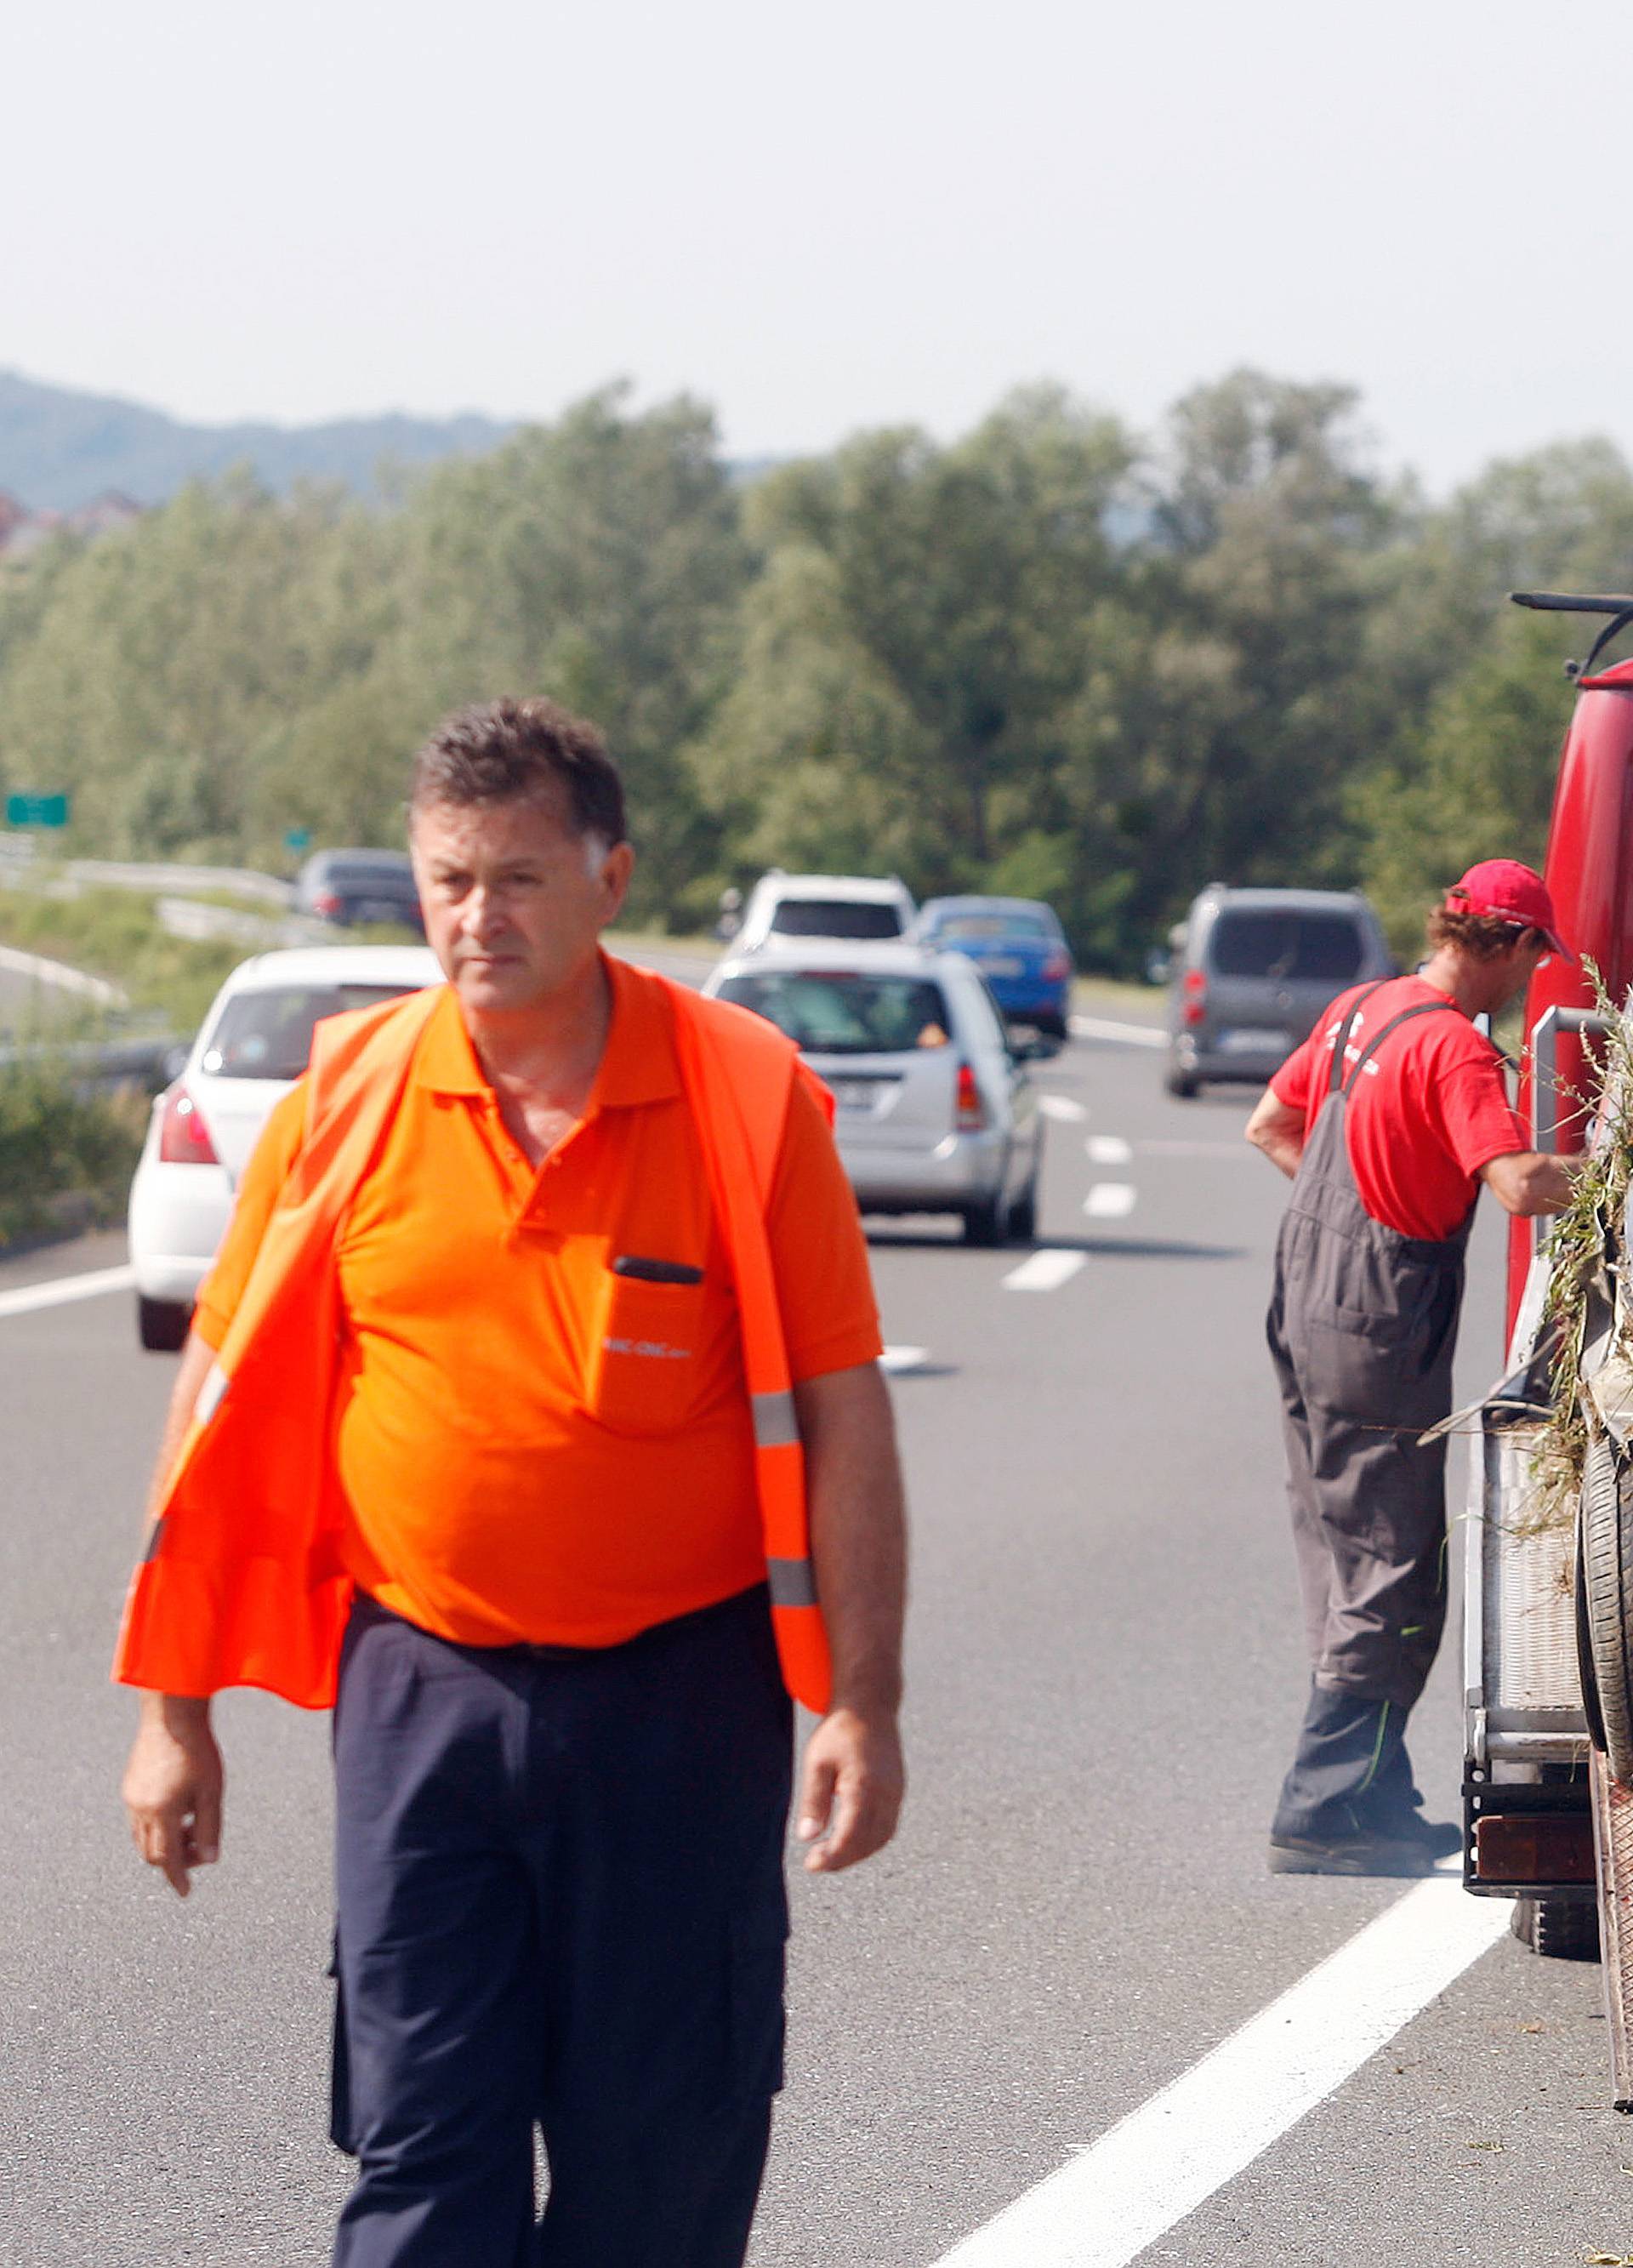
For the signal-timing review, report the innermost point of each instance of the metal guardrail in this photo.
(150, 1062)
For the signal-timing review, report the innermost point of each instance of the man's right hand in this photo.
(173, 1788)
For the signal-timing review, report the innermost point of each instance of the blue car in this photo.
(1019, 946)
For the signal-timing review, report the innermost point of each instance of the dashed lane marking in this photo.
(1110, 1201)
(1044, 1272)
(1063, 1107)
(29, 1297)
(898, 1358)
(1181, 1149)
(1103, 1027)
(1108, 1150)
(1137, 2181)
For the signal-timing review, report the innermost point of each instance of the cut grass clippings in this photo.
(1577, 1243)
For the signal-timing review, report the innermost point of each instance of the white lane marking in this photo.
(57, 1293)
(1044, 1272)
(904, 1357)
(1102, 1027)
(1124, 2191)
(1063, 1106)
(1108, 1150)
(1110, 1201)
(1237, 1149)
(34, 966)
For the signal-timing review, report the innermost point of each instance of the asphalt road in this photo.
(1103, 1680)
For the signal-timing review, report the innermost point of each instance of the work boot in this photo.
(1413, 1847)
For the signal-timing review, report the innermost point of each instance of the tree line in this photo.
(1053, 658)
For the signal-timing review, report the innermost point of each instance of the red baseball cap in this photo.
(1507, 891)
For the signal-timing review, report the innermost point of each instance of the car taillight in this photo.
(1195, 990)
(1057, 966)
(327, 903)
(183, 1137)
(970, 1112)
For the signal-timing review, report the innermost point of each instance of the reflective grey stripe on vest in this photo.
(792, 1582)
(210, 1394)
(775, 1422)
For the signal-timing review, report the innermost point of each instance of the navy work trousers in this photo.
(561, 1907)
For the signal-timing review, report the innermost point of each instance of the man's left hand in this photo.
(850, 1789)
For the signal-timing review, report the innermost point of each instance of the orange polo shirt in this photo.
(532, 1444)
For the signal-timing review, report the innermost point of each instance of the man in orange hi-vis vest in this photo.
(531, 1417)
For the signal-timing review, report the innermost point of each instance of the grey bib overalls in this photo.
(1362, 1327)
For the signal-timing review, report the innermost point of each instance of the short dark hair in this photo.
(1482, 937)
(504, 751)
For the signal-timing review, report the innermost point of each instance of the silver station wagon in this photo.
(936, 1112)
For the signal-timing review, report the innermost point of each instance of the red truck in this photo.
(1548, 1610)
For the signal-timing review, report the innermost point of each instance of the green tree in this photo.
(1222, 715)
(919, 622)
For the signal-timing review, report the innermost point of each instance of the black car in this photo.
(352, 887)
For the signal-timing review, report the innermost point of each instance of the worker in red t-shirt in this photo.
(1387, 1120)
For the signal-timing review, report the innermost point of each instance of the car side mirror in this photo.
(1158, 965)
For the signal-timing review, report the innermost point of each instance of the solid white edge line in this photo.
(1104, 1027)
(1044, 1270)
(1110, 1201)
(1158, 2164)
(28, 1297)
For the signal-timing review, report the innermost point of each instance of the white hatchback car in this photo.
(859, 906)
(251, 1047)
(935, 1111)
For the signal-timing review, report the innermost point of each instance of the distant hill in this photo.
(60, 450)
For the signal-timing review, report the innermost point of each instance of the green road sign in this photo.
(298, 839)
(36, 811)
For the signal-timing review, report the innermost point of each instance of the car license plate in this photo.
(1003, 964)
(1252, 1040)
(856, 1093)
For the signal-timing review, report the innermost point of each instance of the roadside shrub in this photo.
(66, 1156)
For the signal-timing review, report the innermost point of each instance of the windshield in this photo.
(268, 1034)
(389, 877)
(842, 1014)
(834, 917)
(973, 928)
(1326, 948)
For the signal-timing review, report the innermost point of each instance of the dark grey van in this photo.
(1252, 971)
(353, 887)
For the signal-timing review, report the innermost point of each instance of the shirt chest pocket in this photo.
(645, 1348)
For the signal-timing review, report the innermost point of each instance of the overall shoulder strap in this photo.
(1422, 1008)
(1336, 1070)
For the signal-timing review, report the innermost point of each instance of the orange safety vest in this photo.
(242, 1582)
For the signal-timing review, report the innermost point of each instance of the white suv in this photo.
(861, 907)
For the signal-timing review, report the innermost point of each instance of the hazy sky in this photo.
(822, 217)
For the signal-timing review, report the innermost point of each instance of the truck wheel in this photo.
(162, 1325)
(1556, 1929)
(1607, 1593)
